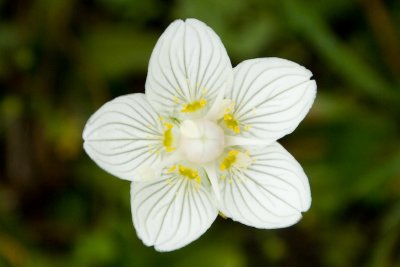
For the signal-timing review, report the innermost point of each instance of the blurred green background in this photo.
(60, 60)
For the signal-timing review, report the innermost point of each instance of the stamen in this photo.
(235, 158)
(195, 106)
(187, 172)
(172, 169)
(168, 138)
(229, 160)
(231, 122)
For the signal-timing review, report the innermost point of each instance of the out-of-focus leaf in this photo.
(137, 11)
(245, 32)
(118, 51)
(342, 245)
(214, 256)
(96, 248)
(275, 248)
(341, 59)
(11, 108)
(386, 244)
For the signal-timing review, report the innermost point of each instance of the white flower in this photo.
(203, 139)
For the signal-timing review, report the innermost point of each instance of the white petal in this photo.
(172, 212)
(271, 96)
(244, 141)
(188, 63)
(270, 193)
(123, 135)
(213, 177)
(216, 111)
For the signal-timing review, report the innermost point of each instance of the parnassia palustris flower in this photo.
(202, 139)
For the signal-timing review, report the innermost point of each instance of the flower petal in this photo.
(124, 134)
(271, 96)
(172, 212)
(269, 193)
(213, 177)
(189, 64)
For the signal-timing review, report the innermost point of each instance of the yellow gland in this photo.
(229, 160)
(231, 122)
(195, 106)
(168, 138)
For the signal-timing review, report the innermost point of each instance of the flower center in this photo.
(201, 140)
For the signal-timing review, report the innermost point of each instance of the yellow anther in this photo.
(231, 122)
(229, 160)
(228, 117)
(168, 137)
(233, 153)
(190, 174)
(172, 169)
(195, 106)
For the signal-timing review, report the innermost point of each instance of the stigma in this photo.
(201, 140)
